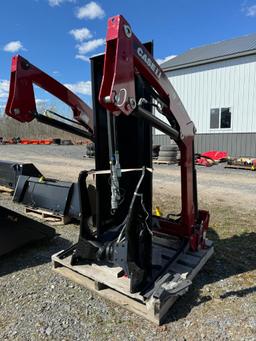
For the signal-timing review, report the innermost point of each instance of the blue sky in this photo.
(59, 35)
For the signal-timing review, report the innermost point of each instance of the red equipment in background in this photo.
(29, 141)
(211, 157)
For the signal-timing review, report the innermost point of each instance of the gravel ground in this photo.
(37, 304)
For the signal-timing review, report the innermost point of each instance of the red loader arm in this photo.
(125, 59)
(21, 104)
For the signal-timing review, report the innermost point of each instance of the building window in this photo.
(220, 118)
(215, 118)
(225, 121)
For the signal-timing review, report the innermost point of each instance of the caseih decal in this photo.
(149, 62)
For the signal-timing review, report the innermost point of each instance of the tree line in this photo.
(10, 128)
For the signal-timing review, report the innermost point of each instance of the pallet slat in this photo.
(157, 162)
(6, 190)
(108, 293)
(52, 217)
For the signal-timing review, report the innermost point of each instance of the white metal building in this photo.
(217, 85)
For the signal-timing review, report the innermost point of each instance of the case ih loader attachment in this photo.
(146, 260)
(141, 261)
(15, 229)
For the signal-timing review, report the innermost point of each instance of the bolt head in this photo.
(127, 31)
(132, 103)
(16, 111)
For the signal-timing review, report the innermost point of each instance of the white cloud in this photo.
(83, 88)
(54, 3)
(40, 101)
(90, 45)
(250, 11)
(81, 57)
(81, 34)
(90, 11)
(162, 60)
(13, 46)
(4, 88)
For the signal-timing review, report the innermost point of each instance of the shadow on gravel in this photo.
(239, 293)
(233, 256)
(32, 255)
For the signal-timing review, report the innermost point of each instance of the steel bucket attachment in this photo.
(17, 230)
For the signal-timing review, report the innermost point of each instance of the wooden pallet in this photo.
(48, 216)
(157, 162)
(6, 190)
(240, 167)
(107, 283)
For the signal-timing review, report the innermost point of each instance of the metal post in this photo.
(157, 123)
(63, 126)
